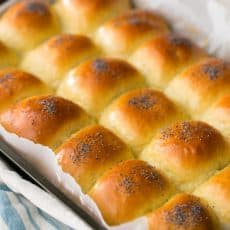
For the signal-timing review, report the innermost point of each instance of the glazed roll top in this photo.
(16, 85)
(52, 59)
(122, 34)
(183, 212)
(129, 190)
(201, 85)
(27, 23)
(85, 16)
(216, 191)
(162, 58)
(188, 152)
(218, 115)
(135, 116)
(93, 84)
(46, 120)
(89, 153)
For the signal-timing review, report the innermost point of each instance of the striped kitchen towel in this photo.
(23, 205)
(17, 213)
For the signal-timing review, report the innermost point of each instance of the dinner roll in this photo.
(8, 58)
(46, 120)
(27, 23)
(183, 212)
(188, 152)
(121, 35)
(93, 84)
(135, 116)
(200, 85)
(52, 59)
(219, 115)
(129, 190)
(162, 58)
(89, 153)
(16, 85)
(217, 193)
(84, 17)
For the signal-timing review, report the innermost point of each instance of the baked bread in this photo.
(164, 57)
(52, 59)
(218, 115)
(95, 83)
(216, 191)
(8, 58)
(132, 188)
(201, 85)
(85, 16)
(121, 35)
(16, 85)
(27, 23)
(137, 115)
(183, 212)
(188, 152)
(46, 120)
(89, 153)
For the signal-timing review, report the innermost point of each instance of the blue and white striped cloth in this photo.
(17, 213)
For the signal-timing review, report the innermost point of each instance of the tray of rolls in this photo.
(127, 117)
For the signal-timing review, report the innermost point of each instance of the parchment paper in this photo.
(207, 22)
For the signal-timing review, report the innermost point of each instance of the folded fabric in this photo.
(17, 213)
(24, 205)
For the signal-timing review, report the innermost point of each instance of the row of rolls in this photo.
(138, 115)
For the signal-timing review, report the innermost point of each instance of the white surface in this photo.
(205, 21)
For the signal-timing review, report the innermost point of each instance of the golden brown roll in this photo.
(162, 58)
(52, 59)
(16, 85)
(84, 17)
(121, 35)
(183, 212)
(89, 153)
(200, 85)
(135, 116)
(129, 190)
(27, 23)
(218, 115)
(188, 152)
(8, 58)
(46, 120)
(93, 84)
(216, 191)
